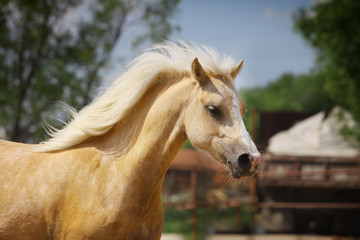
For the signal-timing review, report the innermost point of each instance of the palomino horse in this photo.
(100, 177)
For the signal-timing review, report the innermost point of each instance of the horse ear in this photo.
(236, 70)
(198, 72)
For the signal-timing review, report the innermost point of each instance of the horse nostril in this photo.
(245, 160)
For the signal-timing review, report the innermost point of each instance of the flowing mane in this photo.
(170, 58)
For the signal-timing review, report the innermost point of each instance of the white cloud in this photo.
(270, 13)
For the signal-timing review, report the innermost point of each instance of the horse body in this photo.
(75, 198)
(108, 185)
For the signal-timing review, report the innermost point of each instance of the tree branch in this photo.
(25, 83)
(104, 59)
(37, 115)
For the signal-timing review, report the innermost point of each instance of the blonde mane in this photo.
(122, 95)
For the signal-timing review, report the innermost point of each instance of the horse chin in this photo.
(236, 175)
(239, 174)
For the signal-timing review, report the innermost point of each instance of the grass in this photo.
(179, 221)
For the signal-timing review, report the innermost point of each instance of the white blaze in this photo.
(240, 129)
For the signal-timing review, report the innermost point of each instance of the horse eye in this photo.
(214, 111)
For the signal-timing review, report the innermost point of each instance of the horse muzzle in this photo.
(245, 165)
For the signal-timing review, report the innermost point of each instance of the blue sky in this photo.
(258, 31)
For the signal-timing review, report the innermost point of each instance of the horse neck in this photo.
(162, 133)
(152, 133)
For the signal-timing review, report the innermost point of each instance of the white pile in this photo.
(317, 136)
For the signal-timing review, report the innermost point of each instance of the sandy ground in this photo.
(172, 236)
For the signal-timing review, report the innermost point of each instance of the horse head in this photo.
(214, 121)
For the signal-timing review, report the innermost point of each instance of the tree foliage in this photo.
(332, 28)
(45, 57)
(302, 93)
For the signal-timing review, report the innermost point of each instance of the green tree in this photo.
(332, 28)
(302, 93)
(45, 57)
